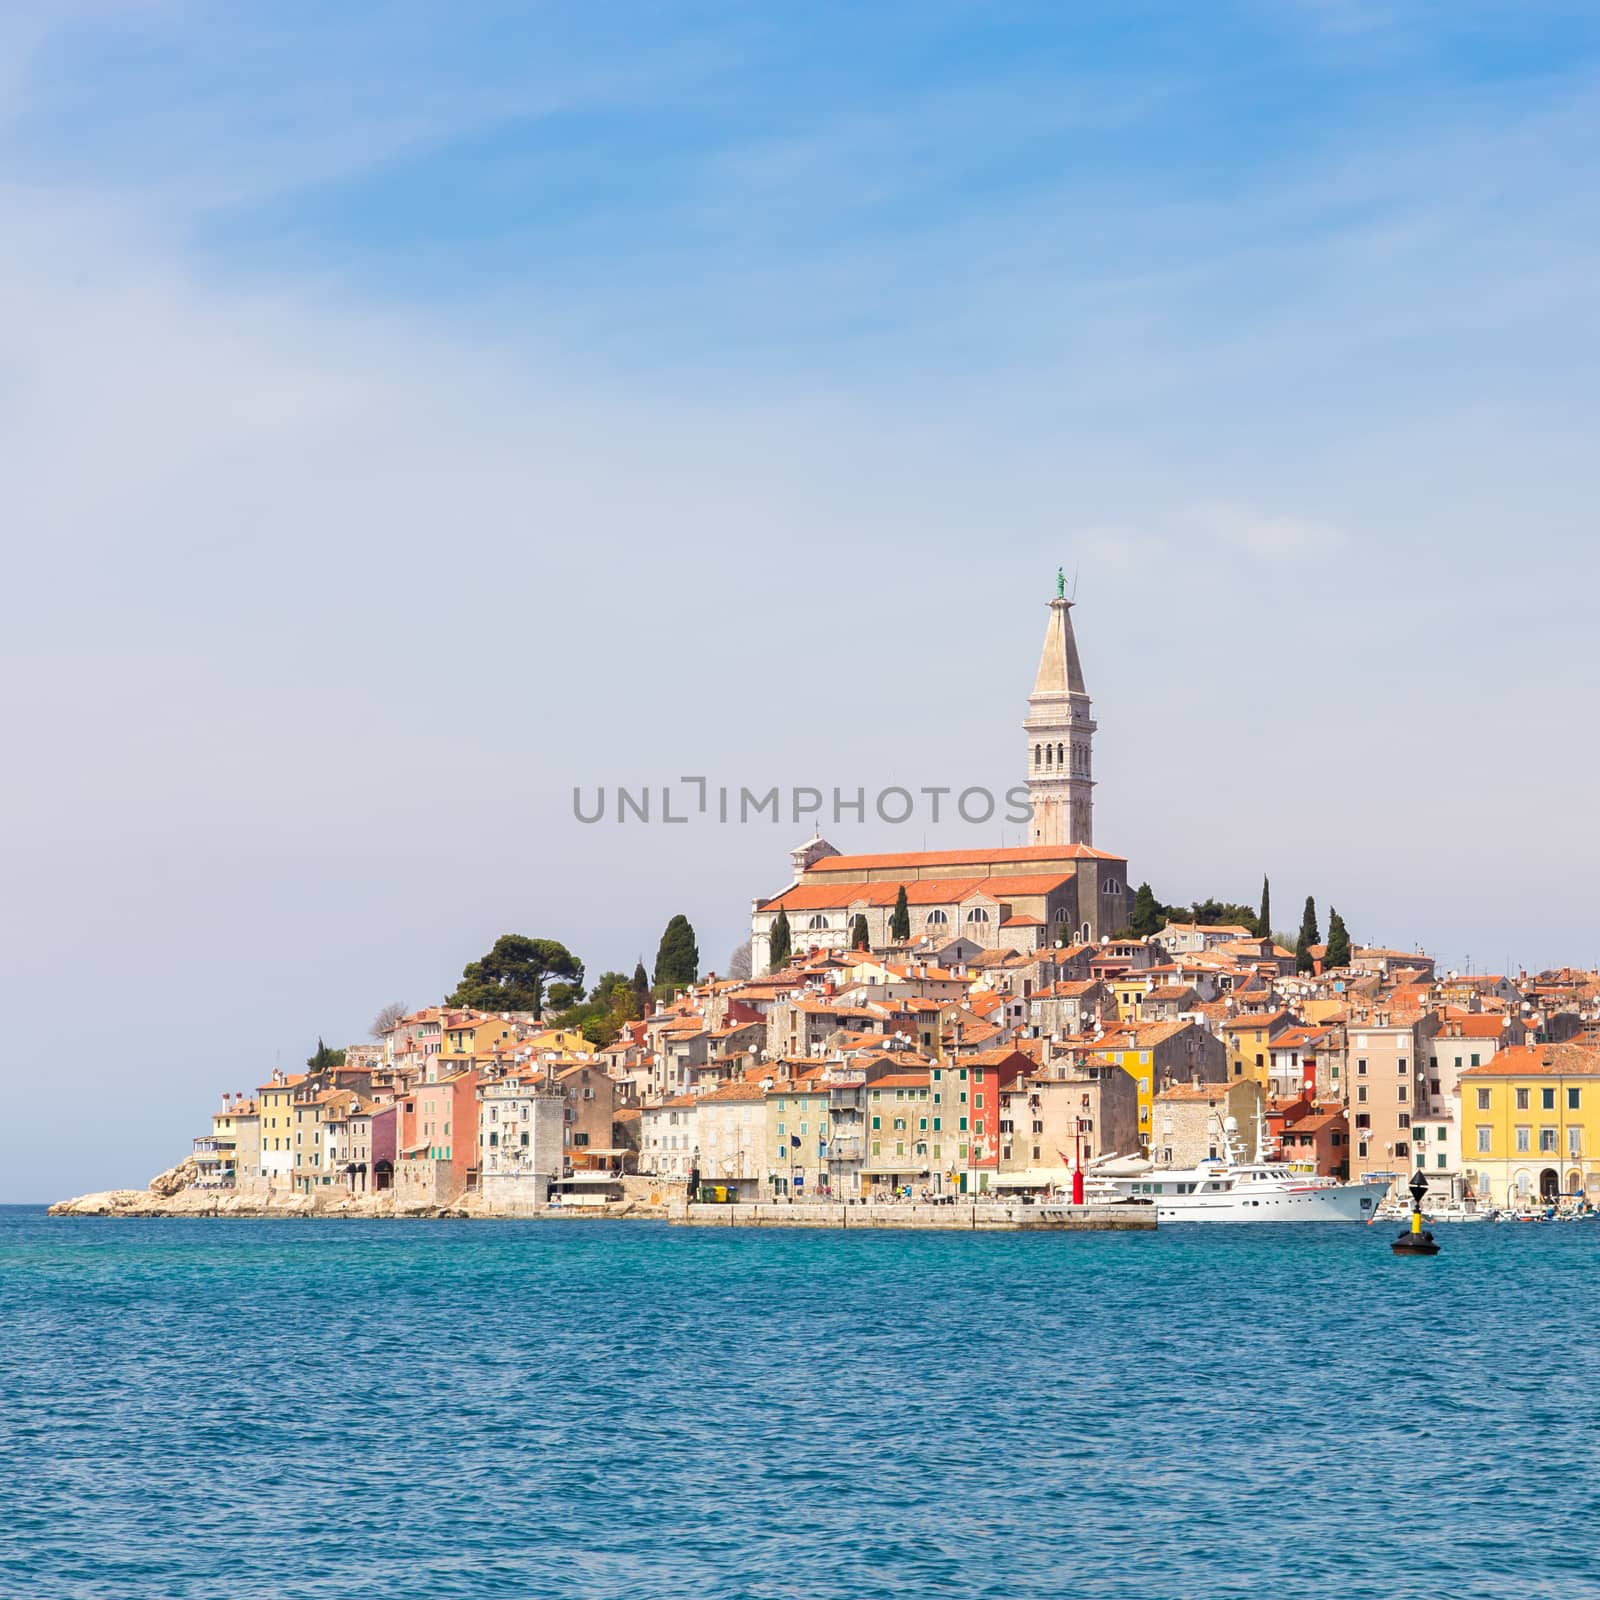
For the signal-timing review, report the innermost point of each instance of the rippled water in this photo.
(297, 1409)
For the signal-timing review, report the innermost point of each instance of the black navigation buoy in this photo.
(1416, 1240)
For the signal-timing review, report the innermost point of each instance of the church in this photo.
(1055, 889)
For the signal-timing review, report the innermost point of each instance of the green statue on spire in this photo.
(1061, 583)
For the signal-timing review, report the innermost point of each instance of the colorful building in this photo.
(1530, 1122)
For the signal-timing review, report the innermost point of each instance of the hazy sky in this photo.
(409, 412)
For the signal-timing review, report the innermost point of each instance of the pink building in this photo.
(438, 1128)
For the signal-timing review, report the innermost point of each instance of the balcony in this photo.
(844, 1150)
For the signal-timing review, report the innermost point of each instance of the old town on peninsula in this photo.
(917, 1026)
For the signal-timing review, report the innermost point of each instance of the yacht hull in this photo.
(1346, 1202)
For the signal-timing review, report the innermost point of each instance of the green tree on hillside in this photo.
(677, 956)
(1264, 916)
(600, 1018)
(521, 974)
(781, 942)
(322, 1059)
(900, 919)
(1338, 951)
(1303, 959)
(641, 989)
(860, 939)
(1148, 915)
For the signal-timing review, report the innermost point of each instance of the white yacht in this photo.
(1231, 1189)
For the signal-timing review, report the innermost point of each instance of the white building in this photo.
(520, 1134)
(667, 1147)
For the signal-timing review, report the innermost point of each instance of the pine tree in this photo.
(677, 956)
(781, 942)
(860, 939)
(900, 922)
(1303, 959)
(1264, 920)
(1148, 914)
(1338, 952)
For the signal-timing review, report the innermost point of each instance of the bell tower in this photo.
(1060, 729)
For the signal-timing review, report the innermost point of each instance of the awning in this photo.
(1033, 1178)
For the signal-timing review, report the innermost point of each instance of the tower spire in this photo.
(1060, 729)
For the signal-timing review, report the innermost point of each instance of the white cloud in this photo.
(1268, 536)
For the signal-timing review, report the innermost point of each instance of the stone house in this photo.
(1188, 1119)
(521, 1137)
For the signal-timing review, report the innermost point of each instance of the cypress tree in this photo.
(641, 990)
(900, 922)
(1264, 920)
(1309, 936)
(860, 939)
(677, 956)
(1338, 953)
(780, 942)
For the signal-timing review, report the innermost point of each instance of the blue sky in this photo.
(407, 413)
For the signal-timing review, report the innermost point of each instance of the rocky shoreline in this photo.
(175, 1193)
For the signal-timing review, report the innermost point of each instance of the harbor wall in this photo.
(982, 1217)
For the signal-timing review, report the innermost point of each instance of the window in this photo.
(1404, 1119)
(494, 1141)
(1440, 1161)
(817, 922)
(1361, 1094)
(1401, 1063)
(1474, 1059)
(1484, 1137)
(1524, 1140)
(1483, 1099)
(1402, 1148)
(1574, 1141)
(1361, 1067)
(1574, 1099)
(977, 914)
(937, 918)
(1547, 1099)
(1401, 1094)
(1522, 1099)
(1547, 1141)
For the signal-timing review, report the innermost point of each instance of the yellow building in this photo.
(1129, 991)
(1530, 1124)
(1249, 1043)
(1154, 1054)
(564, 1041)
(277, 1102)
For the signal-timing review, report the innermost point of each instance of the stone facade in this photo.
(521, 1135)
(1060, 730)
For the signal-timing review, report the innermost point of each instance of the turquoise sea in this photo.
(294, 1409)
